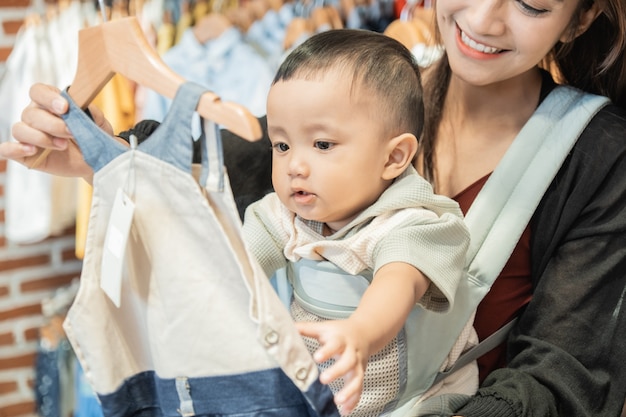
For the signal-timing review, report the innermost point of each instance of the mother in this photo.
(566, 279)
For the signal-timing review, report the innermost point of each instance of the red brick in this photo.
(3, 168)
(7, 339)
(29, 310)
(15, 3)
(11, 27)
(70, 254)
(24, 262)
(32, 334)
(15, 362)
(7, 387)
(4, 54)
(70, 231)
(17, 410)
(4, 290)
(3, 243)
(48, 283)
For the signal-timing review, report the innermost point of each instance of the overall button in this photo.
(301, 374)
(271, 338)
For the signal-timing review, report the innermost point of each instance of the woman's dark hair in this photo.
(378, 63)
(595, 62)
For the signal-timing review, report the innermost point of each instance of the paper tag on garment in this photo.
(115, 243)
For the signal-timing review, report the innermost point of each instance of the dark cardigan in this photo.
(567, 354)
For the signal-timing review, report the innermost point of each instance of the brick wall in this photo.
(28, 274)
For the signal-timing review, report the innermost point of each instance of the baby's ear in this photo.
(401, 150)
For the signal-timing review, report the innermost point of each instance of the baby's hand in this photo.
(340, 340)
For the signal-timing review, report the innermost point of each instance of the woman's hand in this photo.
(41, 127)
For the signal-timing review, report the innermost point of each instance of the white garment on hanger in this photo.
(37, 204)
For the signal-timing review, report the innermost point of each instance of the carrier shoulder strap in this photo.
(505, 205)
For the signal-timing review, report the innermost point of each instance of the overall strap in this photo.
(170, 142)
(97, 146)
(212, 175)
(505, 205)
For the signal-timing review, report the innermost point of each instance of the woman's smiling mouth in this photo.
(477, 46)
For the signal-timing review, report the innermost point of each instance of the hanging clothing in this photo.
(226, 65)
(54, 371)
(268, 33)
(117, 102)
(195, 328)
(38, 205)
(375, 15)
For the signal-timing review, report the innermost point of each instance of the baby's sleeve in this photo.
(435, 246)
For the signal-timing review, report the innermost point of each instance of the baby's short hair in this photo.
(379, 63)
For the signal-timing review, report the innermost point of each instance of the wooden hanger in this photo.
(325, 18)
(407, 32)
(297, 27)
(120, 46)
(211, 26)
(427, 21)
(413, 27)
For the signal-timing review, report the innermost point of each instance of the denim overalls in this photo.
(199, 331)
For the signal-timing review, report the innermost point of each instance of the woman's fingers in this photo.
(16, 151)
(48, 97)
(40, 119)
(41, 125)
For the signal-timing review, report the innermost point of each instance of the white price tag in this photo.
(115, 243)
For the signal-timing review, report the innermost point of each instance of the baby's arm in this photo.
(383, 309)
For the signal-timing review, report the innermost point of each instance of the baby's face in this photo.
(329, 152)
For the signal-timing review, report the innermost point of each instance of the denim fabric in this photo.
(99, 148)
(266, 393)
(47, 386)
(53, 379)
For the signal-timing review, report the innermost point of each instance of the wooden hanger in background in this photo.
(407, 32)
(211, 26)
(297, 27)
(120, 46)
(318, 18)
(416, 25)
(326, 18)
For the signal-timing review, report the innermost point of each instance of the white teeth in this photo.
(478, 46)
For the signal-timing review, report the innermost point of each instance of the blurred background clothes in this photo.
(226, 65)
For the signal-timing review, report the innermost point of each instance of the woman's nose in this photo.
(487, 17)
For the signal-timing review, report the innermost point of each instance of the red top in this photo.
(508, 294)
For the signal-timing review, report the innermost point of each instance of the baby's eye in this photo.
(323, 145)
(280, 147)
